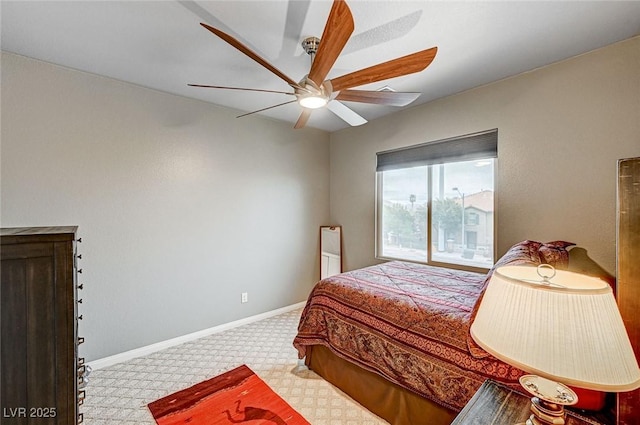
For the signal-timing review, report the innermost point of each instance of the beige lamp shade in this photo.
(567, 329)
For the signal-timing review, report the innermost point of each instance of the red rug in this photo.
(237, 396)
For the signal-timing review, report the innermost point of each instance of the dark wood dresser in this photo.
(40, 370)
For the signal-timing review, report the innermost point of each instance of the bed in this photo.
(395, 336)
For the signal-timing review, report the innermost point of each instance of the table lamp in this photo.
(564, 327)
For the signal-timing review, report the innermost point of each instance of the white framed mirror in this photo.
(330, 251)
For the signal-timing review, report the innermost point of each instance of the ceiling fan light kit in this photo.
(314, 92)
(310, 95)
(312, 102)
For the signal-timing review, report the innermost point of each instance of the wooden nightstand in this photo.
(495, 404)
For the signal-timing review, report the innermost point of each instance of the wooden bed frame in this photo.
(400, 406)
(391, 402)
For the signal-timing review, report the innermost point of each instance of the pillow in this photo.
(555, 253)
(529, 253)
(525, 252)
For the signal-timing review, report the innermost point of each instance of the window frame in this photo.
(429, 260)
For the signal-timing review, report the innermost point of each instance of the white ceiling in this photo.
(160, 44)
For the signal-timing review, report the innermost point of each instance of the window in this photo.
(403, 213)
(435, 202)
(473, 219)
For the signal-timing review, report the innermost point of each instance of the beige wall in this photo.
(181, 206)
(561, 130)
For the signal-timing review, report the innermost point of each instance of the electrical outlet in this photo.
(244, 297)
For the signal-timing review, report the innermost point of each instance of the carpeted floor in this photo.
(119, 394)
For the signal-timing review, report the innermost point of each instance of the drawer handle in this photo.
(80, 318)
(81, 396)
(80, 361)
(79, 240)
(80, 418)
(79, 270)
(81, 340)
(80, 301)
(82, 381)
(84, 370)
(81, 286)
(79, 256)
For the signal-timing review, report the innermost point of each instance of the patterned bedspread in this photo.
(406, 322)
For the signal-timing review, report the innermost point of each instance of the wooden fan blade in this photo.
(304, 117)
(345, 113)
(239, 88)
(404, 65)
(389, 98)
(244, 49)
(264, 109)
(337, 31)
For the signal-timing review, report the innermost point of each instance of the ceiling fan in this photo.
(313, 91)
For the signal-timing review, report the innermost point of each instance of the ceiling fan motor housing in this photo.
(310, 95)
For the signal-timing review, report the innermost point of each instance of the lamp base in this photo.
(545, 413)
(549, 400)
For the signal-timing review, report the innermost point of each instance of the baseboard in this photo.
(148, 349)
